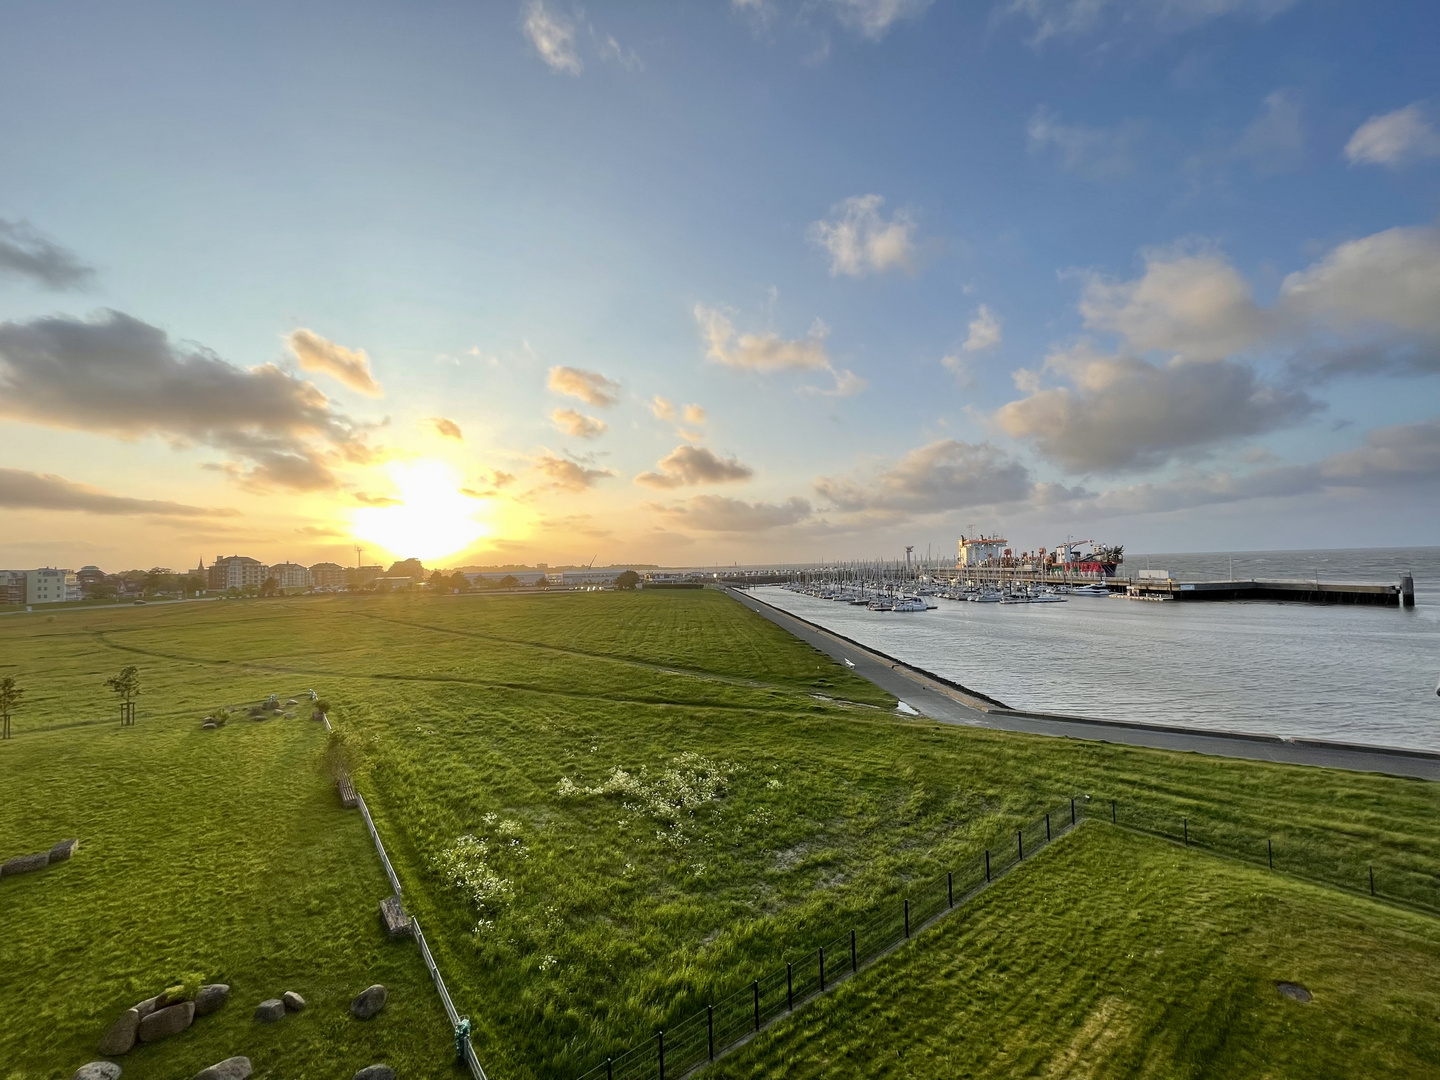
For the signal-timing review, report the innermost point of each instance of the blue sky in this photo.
(1167, 271)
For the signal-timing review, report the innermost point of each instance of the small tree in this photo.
(10, 696)
(627, 580)
(270, 587)
(127, 687)
(459, 582)
(509, 581)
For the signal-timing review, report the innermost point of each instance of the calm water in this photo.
(1354, 674)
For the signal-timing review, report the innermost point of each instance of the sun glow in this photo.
(432, 519)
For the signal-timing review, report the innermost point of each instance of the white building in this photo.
(237, 572)
(586, 577)
(51, 586)
(329, 575)
(289, 575)
(12, 586)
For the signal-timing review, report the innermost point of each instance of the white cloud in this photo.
(582, 427)
(762, 352)
(1394, 139)
(445, 428)
(1389, 278)
(694, 414)
(860, 241)
(984, 331)
(589, 386)
(716, 513)
(686, 466)
(569, 475)
(873, 18)
(663, 409)
(940, 476)
(1275, 140)
(349, 366)
(553, 37)
(1094, 153)
(1076, 18)
(611, 50)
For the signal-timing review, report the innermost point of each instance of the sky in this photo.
(698, 283)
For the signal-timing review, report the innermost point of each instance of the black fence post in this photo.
(907, 914)
(987, 865)
(660, 1042)
(950, 888)
(1072, 811)
(757, 1004)
(854, 967)
(1020, 841)
(1185, 824)
(1047, 828)
(1372, 881)
(1112, 812)
(1270, 851)
(609, 1069)
(710, 1028)
(789, 986)
(822, 970)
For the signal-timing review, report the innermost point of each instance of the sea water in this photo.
(1347, 673)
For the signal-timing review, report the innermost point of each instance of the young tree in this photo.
(437, 580)
(627, 580)
(509, 581)
(127, 687)
(10, 696)
(270, 587)
(459, 582)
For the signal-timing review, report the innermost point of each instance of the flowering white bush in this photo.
(464, 865)
(671, 798)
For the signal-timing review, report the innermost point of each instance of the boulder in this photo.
(97, 1070)
(149, 1005)
(369, 1002)
(269, 1010)
(63, 850)
(233, 1068)
(292, 701)
(170, 1020)
(376, 1072)
(209, 725)
(23, 864)
(210, 998)
(293, 1001)
(120, 1039)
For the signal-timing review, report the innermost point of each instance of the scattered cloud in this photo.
(1275, 140)
(366, 499)
(984, 331)
(582, 427)
(1073, 19)
(944, 475)
(569, 475)
(860, 241)
(589, 386)
(553, 37)
(1091, 152)
(349, 366)
(24, 253)
(873, 18)
(611, 51)
(687, 466)
(445, 428)
(21, 490)
(1394, 139)
(716, 513)
(663, 409)
(847, 384)
(762, 352)
(115, 375)
(1122, 412)
(694, 414)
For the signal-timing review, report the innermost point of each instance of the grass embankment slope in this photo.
(572, 907)
(217, 856)
(1116, 955)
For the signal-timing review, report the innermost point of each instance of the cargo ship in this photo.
(1077, 557)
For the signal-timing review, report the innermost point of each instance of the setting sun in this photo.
(432, 518)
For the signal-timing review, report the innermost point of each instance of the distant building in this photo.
(329, 575)
(90, 575)
(360, 577)
(236, 572)
(524, 577)
(586, 577)
(397, 581)
(51, 586)
(289, 575)
(12, 586)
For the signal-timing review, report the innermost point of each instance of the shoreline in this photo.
(938, 698)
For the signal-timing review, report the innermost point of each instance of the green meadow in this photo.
(606, 809)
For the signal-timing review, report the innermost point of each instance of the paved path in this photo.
(939, 700)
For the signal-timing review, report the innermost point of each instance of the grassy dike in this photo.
(524, 758)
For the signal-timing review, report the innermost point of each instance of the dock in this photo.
(1399, 594)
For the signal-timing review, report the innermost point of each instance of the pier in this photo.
(1400, 594)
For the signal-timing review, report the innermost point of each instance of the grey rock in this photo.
(149, 1005)
(376, 1072)
(293, 1001)
(269, 1010)
(97, 1070)
(209, 725)
(170, 1020)
(120, 1039)
(210, 998)
(63, 850)
(369, 1002)
(233, 1068)
(23, 864)
(292, 701)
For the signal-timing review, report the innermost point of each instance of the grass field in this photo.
(1116, 955)
(607, 808)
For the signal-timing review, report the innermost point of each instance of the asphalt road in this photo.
(937, 700)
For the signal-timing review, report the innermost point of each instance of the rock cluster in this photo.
(24, 864)
(272, 1009)
(158, 1017)
(368, 1002)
